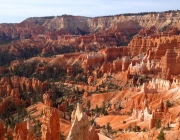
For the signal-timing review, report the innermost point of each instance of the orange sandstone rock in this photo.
(80, 126)
(93, 134)
(85, 94)
(23, 131)
(50, 127)
(2, 130)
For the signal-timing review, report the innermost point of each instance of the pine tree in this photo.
(96, 109)
(136, 128)
(158, 123)
(108, 127)
(161, 135)
(103, 109)
(88, 104)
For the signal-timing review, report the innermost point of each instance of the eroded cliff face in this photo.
(84, 25)
(72, 24)
(76, 24)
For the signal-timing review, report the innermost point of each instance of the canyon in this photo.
(79, 78)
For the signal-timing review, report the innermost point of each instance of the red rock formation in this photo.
(9, 132)
(93, 134)
(94, 59)
(62, 106)
(50, 127)
(2, 130)
(117, 65)
(70, 71)
(71, 100)
(177, 126)
(42, 86)
(155, 45)
(85, 94)
(11, 86)
(25, 83)
(23, 131)
(114, 52)
(143, 113)
(4, 103)
(106, 67)
(80, 125)
(90, 79)
(125, 63)
(15, 93)
(170, 63)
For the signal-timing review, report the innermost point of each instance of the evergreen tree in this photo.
(92, 122)
(108, 127)
(88, 104)
(96, 109)
(103, 109)
(136, 128)
(158, 123)
(161, 135)
(62, 137)
(168, 103)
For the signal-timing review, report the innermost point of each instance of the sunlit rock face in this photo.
(80, 129)
(93, 134)
(50, 127)
(170, 63)
(23, 131)
(80, 125)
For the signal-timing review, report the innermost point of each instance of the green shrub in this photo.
(161, 135)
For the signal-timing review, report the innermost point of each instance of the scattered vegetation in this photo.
(141, 13)
(13, 114)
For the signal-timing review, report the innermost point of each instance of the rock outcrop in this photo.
(23, 131)
(80, 126)
(50, 127)
(93, 134)
(144, 112)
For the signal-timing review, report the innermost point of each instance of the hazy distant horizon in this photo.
(16, 11)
